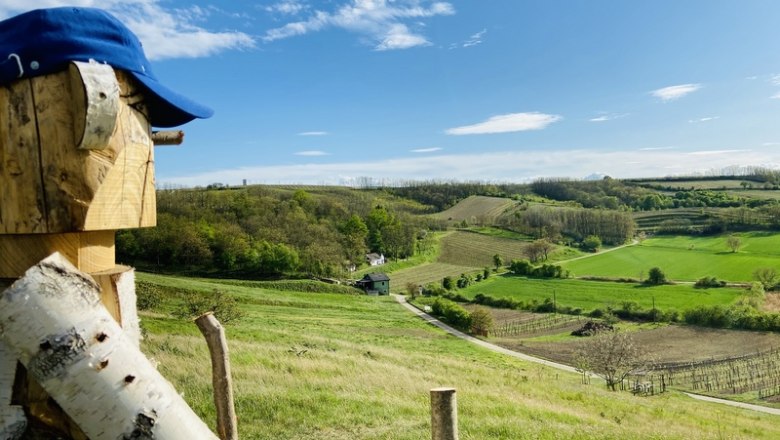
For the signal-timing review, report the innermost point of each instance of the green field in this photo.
(699, 184)
(589, 295)
(330, 366)
(426, 273)
(686, 258)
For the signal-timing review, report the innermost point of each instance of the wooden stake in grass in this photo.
(220, 372)
(444, 414)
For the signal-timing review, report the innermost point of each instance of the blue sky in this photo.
(325, 92)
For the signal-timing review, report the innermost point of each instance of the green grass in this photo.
(326, 366)
(700, 184)
(589, 295)
(427, 273)
(686, 258)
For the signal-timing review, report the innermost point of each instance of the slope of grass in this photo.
(686, 258)
(330, 366)
(589, 295)
(476, 209)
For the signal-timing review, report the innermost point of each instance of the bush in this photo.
(451, 313)
(447, 283)
(591, 243)
(656, 276)
(224, 306)
(481, 322)
(708, 282)
(149, 296)
(520, 267)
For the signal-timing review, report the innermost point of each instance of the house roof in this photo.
(375, 277)
(373, 256)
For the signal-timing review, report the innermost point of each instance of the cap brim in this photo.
(168, 108)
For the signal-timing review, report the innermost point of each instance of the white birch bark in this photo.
(53, 321)
(12, 419)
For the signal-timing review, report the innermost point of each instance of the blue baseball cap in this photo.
(43, 41)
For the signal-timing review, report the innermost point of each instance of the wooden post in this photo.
(212, 330)
(84, 360)
(444, 414)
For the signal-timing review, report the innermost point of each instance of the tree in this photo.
(767, 276)
(734, 243)
(498, 261)
(612, 355)
(521, 267)
(355, 233)
(656, 276)
(481, 322)
(447, 283)
(591, 243)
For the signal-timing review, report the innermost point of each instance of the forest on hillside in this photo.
(263, 231)
(269, 231)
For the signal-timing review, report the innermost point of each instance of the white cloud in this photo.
(656, 148)
(751, 78)
(776, 96)
(164, 32)
(474, 39)
(705, 119)
(380, 20)
(770, 144)
(426, 150)
(775, 79)
(715, 152)
(314, 133)
(311, 153)
(509, 166)
(507, 123)
(286, 7)
(604, 117)
(672, 93)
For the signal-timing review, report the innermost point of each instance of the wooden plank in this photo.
(22, 203)
(89, 251)
(117, 294)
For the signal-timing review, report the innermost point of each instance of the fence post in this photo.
(444, 414)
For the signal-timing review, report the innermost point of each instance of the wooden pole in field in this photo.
(222, 382)
(444, 414)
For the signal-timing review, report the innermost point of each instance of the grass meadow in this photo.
(589, 295)
(686, 258)
(329, 366)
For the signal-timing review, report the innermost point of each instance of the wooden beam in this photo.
(222, 382)
(89, 251)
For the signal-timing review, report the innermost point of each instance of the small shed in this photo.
(375, 284)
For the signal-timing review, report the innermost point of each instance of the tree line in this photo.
(264, 232)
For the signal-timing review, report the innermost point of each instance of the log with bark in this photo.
(52, 320)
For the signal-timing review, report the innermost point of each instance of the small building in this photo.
(375, 284)
(375, 259)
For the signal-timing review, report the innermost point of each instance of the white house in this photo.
(375, 259)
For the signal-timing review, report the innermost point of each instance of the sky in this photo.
(332, 91)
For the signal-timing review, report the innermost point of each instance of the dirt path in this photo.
(633, 242)
(433, 321)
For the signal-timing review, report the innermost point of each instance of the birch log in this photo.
(54, 323)
(12, 419)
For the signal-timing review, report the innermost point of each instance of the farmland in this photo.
(464, 251)
(320, 365)
(590, 295)
(686, 258)
(477, 210)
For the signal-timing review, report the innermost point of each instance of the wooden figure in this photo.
(77, 164)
